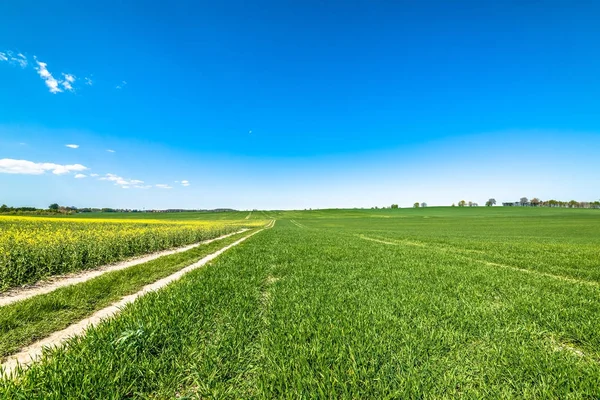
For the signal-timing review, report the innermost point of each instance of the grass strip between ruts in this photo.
(30, 320)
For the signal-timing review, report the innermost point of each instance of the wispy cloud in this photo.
(110, 150)
(25, 167)
(88, 81)
(185, 183)
(11, 58)
(120, 181)
(80, 176)
(72, 146)
(51, 82)
(21, 60)
(121, 85)
(163, 186)
(64, 82)
(94, 175)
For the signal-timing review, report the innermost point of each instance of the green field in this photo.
(410, 303)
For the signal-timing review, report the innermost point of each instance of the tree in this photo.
(53, 207)
(535, 202)
(416, 205)
(523, 201)
(3, 208)
(470, 204)
(423, 204)
(490, 202)
(394, 206)
(462, 203)
(453, 205)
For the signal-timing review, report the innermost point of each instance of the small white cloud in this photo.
(120, 181)
(110, 150)
(47, 77)
(121, 85)
(88, 81)
(94, 175)
(163, 186)
(66, 83)
(72, 146)
(10, 166)
(9, 56)
(21, 60)
(185, 183)
(80, 176)
(142, 186)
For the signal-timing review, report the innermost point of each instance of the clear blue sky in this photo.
(298, 104)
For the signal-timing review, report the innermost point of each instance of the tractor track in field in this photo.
(34, 351)
(298, 224)
(18, 294)
(485, 262)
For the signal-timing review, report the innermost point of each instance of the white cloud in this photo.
(110, 151)
(13, 59)
(163, 186)
(66, 83)
(47, 77)
(80, 176)
(10, 166)
(69, 79)
(121, 85)
(94, 175)
(185, 183)
(72, 146)
(21, 60)
(88, 81)
(120, 181)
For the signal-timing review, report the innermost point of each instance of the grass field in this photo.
(428, 303)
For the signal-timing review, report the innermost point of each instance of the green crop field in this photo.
(409, 303)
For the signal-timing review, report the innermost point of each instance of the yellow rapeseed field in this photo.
(33, 248)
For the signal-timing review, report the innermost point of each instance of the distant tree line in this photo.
(464, 203)
(55, 208)
(51, 210)
(536, 202)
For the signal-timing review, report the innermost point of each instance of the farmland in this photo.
(35, 248)
(429, 303)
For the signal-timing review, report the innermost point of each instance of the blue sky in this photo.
(297, 104)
